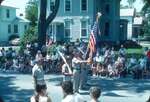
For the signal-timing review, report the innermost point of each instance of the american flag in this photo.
(92, 39)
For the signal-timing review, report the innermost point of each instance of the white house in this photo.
(10, 24)
(128, 14)
(75, 18)
(137, 26)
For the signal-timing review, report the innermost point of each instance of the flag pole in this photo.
(63, 58)
(98, 15)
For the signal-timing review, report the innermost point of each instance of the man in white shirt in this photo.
(38, 73)
(69, 96)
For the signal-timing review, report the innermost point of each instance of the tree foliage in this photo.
(131, 2)
(32, 12)
(29, 36)
(146, 13)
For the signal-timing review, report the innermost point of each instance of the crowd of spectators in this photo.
(107, 62)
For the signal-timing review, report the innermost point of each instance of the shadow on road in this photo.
(110, 87)
(10, 93)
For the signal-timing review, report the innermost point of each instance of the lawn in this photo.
(137, 52)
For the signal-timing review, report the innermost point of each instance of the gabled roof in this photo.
(4, 4)
(127, 12)
(20, 19)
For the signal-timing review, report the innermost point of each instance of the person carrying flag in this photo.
(92, 50)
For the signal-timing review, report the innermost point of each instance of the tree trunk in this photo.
(53, 14)
(1, 1)
(42, 23)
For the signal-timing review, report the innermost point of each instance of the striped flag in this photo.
(92, 39)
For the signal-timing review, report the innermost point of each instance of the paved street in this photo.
(19, 88)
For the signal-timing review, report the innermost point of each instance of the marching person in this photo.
(95, 93)
(38, 74)
(68, 95)
(66, 72)
(76, 65)
(41, 95)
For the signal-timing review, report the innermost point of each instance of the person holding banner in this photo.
(65, 71)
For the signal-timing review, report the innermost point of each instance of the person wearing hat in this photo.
(38, 74)
(76, 65)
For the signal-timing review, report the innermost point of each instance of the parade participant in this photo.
(69, 96)
(65, 71)
(84, 75)
(95, 93)
(76, 64)
(41, 95)
(38, 73)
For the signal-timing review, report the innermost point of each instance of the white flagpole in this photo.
(69, 69)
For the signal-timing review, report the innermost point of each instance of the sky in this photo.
(138, 4)
(21, 4)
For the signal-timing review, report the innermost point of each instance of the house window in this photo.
(67, 28)
(51, 30)
(107, 29)
(25, 27)
(52, 5)
(107, 8)
(9, 28)
(67, 5)
(7, 13)
(15, 28)
(83, 28)
(83, 5)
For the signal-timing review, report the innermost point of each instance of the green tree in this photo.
(131, 2)
(29, 36)
(31, 12)
(146, 13)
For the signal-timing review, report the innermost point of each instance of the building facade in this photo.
(76, 17)
(128, 14)
(137, 26)
(10, 24)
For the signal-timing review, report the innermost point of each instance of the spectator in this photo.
(41, 95)
(95, 93)
(122, 51)
(148, 60)
(38, 55)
